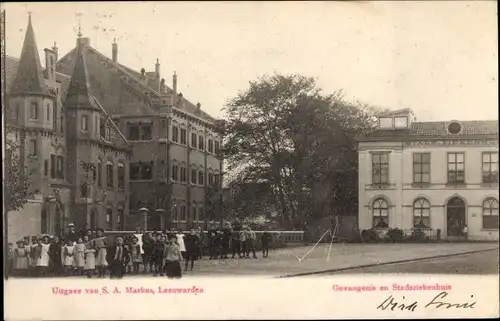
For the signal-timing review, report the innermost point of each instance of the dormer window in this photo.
(385, 122)
(401, 122)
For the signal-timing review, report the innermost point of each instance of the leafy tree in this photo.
(15, 182)
(283, 133)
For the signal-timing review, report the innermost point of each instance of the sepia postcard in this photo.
(250, 160)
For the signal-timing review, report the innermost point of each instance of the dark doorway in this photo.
(455, 214)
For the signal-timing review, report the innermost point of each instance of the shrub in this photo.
(394, 235)
(418, 235)
(370, 236)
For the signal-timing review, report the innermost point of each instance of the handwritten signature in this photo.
(390, 303)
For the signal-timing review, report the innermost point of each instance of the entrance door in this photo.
(455, 213)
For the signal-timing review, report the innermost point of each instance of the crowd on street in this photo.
(90, 253)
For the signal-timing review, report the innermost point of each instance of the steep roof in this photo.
(437, 130)
(11, 66)
(134, 78)
(29, 77)
(79, 93)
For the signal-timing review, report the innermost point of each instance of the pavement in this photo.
(286, 263)
(478, 263)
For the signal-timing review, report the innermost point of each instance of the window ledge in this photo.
(33, 156)
(140, 141)
(495, 185)
(141, 180)
(456, 184)
(420, 185)
(490, 229)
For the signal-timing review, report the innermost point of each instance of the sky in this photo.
(438, 58)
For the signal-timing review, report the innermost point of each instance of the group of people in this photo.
(89, 253)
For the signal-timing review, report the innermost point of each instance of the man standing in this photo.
(235, 243)
(265, 239)
(226, 237)
(118, 258)
(72, 235)
(243, 242)
(250, 237)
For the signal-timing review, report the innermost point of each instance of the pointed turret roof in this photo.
(79, 92)
(29, 77)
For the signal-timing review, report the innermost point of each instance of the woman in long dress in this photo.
(69, 251)
(55, 263)
(79, 256)
(21, 256)
(101, 243)
(43, 258)
(89, 257)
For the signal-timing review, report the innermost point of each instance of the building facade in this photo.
(430, 176)
(101, 141)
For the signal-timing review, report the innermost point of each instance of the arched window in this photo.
(490, 214)
(175, 134)
(421, 213)
(380, 211)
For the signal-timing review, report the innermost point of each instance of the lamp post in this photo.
(87, 168)
(144, 211)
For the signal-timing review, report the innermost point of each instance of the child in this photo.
(33, 245)
(118, 258)
(55, 263)
(21, 256)
(265, 239)
(89, 266)
(100, 244)
(10, 260)
(191, 241)
(42, 253)
(173, 259)
(130, 264)
(79, 255)
(135, 253)
(158, 254)
(68, 251)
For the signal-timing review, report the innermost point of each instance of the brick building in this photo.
(102, 141)
(430, 176)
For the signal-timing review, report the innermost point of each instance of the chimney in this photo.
(83, 42)
(198, 108)
(174, 88)
(180, 100)
(163, 87)
(50, 65)
(115, 50)
(55, 49)
(157, 74)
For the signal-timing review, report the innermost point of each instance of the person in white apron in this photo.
(180, 242)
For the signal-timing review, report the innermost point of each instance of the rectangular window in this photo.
(99, 173)
(401, 122)
(217, 179)
(121, 176)
(48, 112)
(201, 178)
(109, 214)
(175, 172)
(194, 214)
(194, 173)
(175, 214)
(421, 168)
(32, 147)
(183, 174)
(490, 167)
(134, 171)
(183, 213)
(175, 134)
(61, 125)
(146, 132)
(53, 166)
(201, 143)
(385, 122)
(83, 189)
(94, 173)
(194, 138)
(34, 110)
(183, 136)
(210, 179)
(217, 147)
(109, 175)
(201, 214)
(380, 168)
(146, 170)
(45, 168)
(133, 132)
(60, 167)
(456, 168)
(210, 146)
(85, 122)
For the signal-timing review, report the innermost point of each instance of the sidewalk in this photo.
(284, 263)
